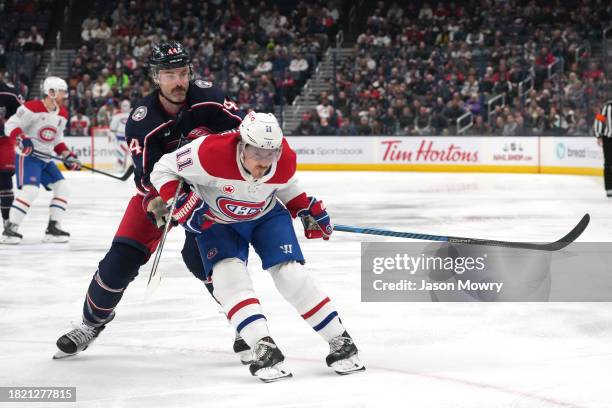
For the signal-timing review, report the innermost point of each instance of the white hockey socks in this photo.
(234, 290)
(300, 289)
(21, 204)
(59, 202)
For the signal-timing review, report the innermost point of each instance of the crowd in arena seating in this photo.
(417, 70)
(259, 54)
(22, 35)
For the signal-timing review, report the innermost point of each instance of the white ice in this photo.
(175, 351)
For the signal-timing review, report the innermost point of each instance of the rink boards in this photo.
(528, 154)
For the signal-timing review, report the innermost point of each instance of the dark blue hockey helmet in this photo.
(168, 55)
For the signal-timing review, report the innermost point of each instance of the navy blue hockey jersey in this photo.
(151, 132)
(10, 100)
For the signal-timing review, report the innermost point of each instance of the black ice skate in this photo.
(78, 339)
(342, 355)
(243, 350)
(268, 364)
(55, 234)
(10, 236)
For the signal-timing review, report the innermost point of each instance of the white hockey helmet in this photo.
(54, 84)
(262, 132)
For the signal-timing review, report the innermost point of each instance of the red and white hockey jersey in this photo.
(211, 165)
(46, 129)
(117, 125)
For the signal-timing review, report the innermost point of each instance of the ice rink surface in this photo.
(175, 351)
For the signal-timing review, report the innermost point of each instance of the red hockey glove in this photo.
(191, 212)
(316, 221)
(199, 132)
(25, 145)
(71, 161)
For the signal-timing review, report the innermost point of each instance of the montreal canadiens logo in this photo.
(239, 210)
(228, 189)
(47, 134)
(211, 253)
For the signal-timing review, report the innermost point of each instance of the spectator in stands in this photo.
(118, 81)
(105, 113)
(101, 89)
(83, 86)
(79, 123)
(34, 41)
(324, 108)
(305, 127)
(422, 122)
(325, 128)
(347, 128)
(364, 129)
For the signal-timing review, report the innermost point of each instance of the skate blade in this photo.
(274, 373)
(55, 239)
(246, 357)
(60, 355)
(9, 240)
(348, 366)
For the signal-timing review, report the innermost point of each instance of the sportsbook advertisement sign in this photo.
(442, 272)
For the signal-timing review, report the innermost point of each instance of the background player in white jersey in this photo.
(117, 133)
(238, 182)
(38, 125)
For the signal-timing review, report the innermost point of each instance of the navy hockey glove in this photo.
(315, 219)
(191, 212)
(25, 145)
(71, 161)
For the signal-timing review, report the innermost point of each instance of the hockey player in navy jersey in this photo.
(177, 107)
(10, 100)
(244, 191)
(38, 125)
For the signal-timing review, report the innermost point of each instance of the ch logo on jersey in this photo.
(139, 114)
(239, 210)
(212, 253)
(47, 134)
(287, 248)
(228, 189)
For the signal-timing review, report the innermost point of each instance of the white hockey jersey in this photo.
(212, 167)
(117, 125)
(46, 129)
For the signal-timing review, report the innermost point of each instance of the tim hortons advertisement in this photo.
(458, 150)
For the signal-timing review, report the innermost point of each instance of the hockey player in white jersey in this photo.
(38, 126)
(117, 134)
(244, 191)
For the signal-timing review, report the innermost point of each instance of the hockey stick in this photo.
(123, 177)
(154, 275)
(552, 246)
